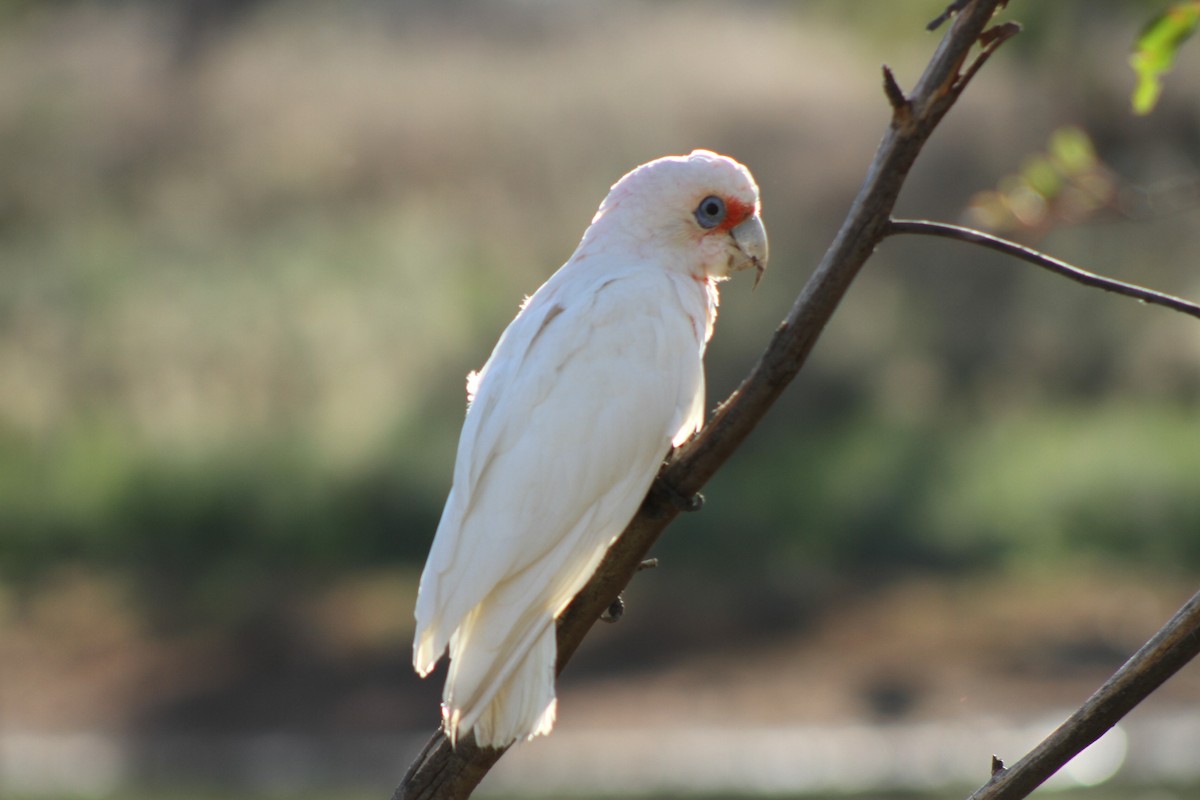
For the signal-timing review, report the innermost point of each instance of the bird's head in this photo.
(698, 213)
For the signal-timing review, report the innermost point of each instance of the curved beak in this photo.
(751, 240)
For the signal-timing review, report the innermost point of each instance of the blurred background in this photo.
(249, 251)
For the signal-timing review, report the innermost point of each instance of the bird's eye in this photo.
(711, 212)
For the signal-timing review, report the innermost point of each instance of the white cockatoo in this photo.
(568, 422)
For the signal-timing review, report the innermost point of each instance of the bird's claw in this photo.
(616, 609)
(683, 502)
(614, 612)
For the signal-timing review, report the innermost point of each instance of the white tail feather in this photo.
(502, 705)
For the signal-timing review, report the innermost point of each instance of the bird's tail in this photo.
(501, 690)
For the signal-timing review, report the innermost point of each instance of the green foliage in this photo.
(1106, 484)
(1155, 50)
(268, 506)
(1066, 184)
(1112, 483)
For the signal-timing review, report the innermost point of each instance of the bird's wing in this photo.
(572, 416)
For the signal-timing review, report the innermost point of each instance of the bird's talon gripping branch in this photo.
(684, 502)
(616, 609)
(614, 612)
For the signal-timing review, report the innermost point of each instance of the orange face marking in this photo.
(736, 212)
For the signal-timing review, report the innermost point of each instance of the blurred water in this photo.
(779, 760)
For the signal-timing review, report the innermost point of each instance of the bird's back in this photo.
(572, 416)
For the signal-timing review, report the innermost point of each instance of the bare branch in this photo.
(1175, 644)
(895, 96)
(950, 11)
(443, 772)
(991, 39)
(972, 236)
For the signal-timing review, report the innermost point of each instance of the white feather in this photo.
(585, 393)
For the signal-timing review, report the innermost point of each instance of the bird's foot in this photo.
(616, 608)
(684, 502)
(614, 612)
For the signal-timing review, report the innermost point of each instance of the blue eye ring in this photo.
(711, 212)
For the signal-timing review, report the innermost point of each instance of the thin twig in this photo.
(895, 95)
(950, 11)
(991, 39)
(1057, 266)
(947, 13)
(1175, 644)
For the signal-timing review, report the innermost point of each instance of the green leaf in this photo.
(1156, 48)
(1040, 175)
(1072, 152)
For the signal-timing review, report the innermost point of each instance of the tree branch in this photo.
(972, 236)
(443, 772)
(1175, 644)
